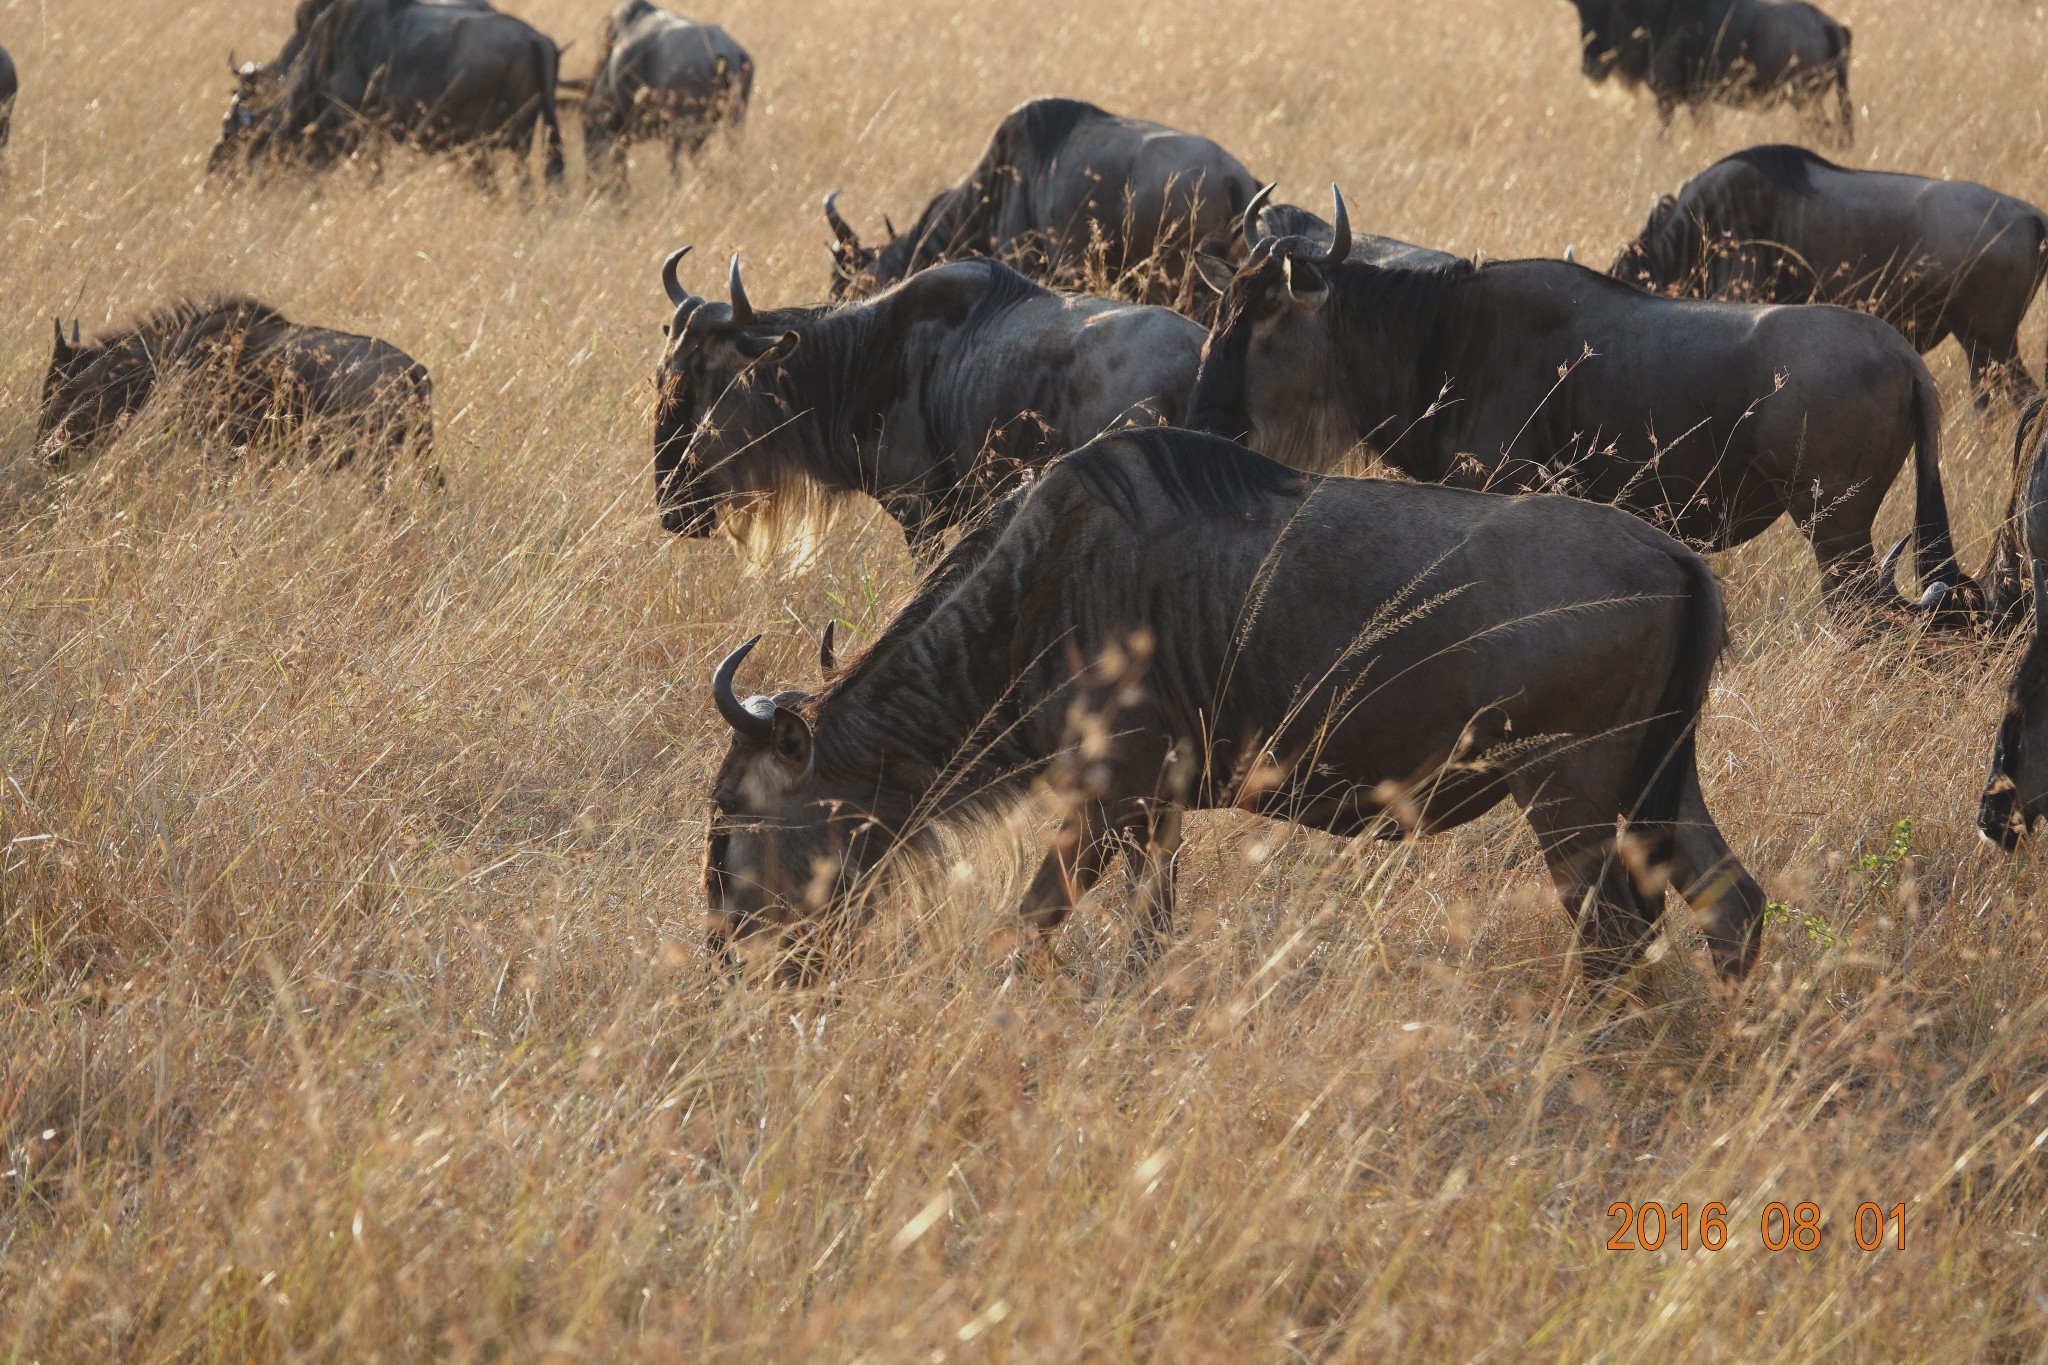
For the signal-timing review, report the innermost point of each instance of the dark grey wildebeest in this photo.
(2016, 795)
(1064, 185)
(1731, 51)
(1712, 419)
(660, 75)
(1166, 621)
(1934, 258)
(240, 367)
(450, 76)
(929, 397)
(10, 86)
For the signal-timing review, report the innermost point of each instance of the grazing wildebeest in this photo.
(928, 397)
(1061, 185)
(1934, 258)
(1355, 655)
(440, 76)
(9, 88)
(1713, 419)
(661, 75)
(242, 367)
(1734, 51)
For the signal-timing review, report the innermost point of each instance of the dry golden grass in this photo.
(353, 1001)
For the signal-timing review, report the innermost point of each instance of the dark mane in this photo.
(932, 588)
(171, 318)
(1365, 296)
(1048, 121)
(1787, 167)
(1203, 475)
(1005, 289)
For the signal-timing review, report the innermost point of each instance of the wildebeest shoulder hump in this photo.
(1202, 475)
(1787, 167)
(1047, 123)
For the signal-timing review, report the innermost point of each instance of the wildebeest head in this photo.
(781, 850)
(860, 269)
(719, 399)
(88, 389)
(1664, 252)
(1270, 323)
(256, 87)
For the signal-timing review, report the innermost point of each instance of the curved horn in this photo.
(1248, 228)
(234, 67)
(825, 647)
(744, 723)
(1340, 230)
(890, 227)
(840, 227)
(669, 283)
(1890, 566)
(58, 323)
(742, 311)
(1571, 252)
(74, 333)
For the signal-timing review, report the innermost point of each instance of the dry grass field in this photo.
(353, 996)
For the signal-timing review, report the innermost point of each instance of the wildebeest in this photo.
(244, 369)
(10, 86)
(440, 76)
(661, 75)
(1291, 220)
(2016, 794)
(928, 397)
(1166, 621)
(1713, 419)
(1063, 185)
(1935, 258)
(1734, 51)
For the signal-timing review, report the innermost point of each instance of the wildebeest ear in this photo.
(1216, 271)
(768, 350)
(1305, 284)
(790, 741)
(65, 350)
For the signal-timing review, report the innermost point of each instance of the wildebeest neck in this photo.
(1399, 334)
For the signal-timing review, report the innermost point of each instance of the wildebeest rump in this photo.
(246, 370)
(439, 76)
(661, 75)
(2016, 794)
(10, 86)
(929, 397)
(1061, 185)
(1735, 51)
(1713, 419)
(1935, 258)
(1355, 655)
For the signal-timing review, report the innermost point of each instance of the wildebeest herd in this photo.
(1104, 383)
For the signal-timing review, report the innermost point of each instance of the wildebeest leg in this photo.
(1727, 900)
(1080, 852)
(1149, 854)
(1995, 364)
(1836, 522)
(1573, 807)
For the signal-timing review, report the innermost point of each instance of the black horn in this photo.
(234, 67)
(1340, 230)
(841, 229)
(746, 724)
(74, 334)
(742, 311)
(669, 283)
(1249, 228)
(825, 647)
(1890, 567)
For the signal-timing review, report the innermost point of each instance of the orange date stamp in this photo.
(1651, 1226)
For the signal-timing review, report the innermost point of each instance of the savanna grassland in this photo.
(353, 995)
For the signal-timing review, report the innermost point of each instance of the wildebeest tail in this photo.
(1668, 757)
(548, 62)
(1934, 551)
